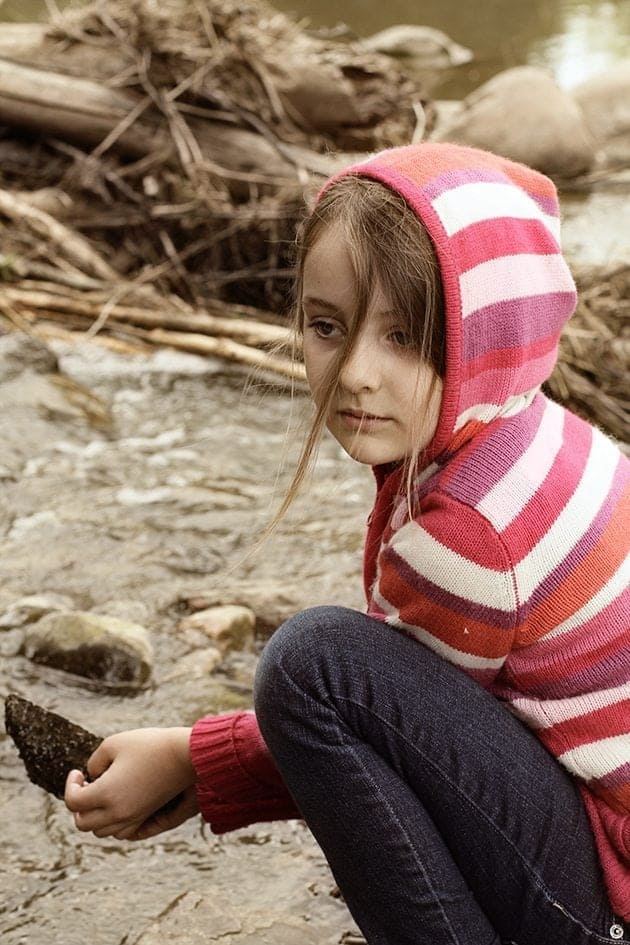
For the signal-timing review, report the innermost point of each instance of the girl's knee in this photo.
(302, 644)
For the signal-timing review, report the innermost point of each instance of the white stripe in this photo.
(488, 412)
(612, 589)
(544, 713)
(513, 277)
(509, 496)
(457, 657)
(472, 203)
(451, 571)
(599, 758)
(574, 520)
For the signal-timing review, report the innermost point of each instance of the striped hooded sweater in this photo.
(514, 565)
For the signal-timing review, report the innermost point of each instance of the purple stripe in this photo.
(437, 595)
(515, 323)
(449, 180)
(617, 778)
(493, 458)
(588, 540)
(610, 672)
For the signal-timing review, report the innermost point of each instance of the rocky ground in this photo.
(133, 488)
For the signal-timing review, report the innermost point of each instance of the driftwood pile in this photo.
(156, 157)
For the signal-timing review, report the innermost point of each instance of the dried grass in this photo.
(593, 369)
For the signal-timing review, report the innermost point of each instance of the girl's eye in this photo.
(400, 338)
(323, 328)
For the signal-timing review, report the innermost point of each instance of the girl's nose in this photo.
(361, 370)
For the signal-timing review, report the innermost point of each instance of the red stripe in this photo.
(606, 722)
(458, 631)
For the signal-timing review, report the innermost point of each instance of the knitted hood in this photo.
(508, 292)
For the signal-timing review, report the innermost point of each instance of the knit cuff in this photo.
(237, 781)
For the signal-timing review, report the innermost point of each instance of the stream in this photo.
(162, 505)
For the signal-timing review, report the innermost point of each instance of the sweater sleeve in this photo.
(445, 578)
(237, 781)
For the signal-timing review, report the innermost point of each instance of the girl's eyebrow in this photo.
(320, 303)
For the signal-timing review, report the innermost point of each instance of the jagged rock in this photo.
(20, 352)
(49, 745)
(523, 115)
(90, 645)
(230, 626)
(605, 102)
(426, 46)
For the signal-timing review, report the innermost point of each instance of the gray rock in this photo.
(427, 47)
(605, 102)
(93, 646)
(522, 114)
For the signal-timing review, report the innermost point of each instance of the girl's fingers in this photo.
(118, 830)
(75, 794)
(100, 760)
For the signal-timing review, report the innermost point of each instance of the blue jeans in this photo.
(443, 818)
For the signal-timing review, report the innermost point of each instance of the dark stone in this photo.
(49, 745)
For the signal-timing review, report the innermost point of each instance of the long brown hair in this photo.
(388, 247)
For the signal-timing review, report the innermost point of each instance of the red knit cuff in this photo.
(237, 781)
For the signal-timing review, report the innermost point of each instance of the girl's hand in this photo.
(144, 785)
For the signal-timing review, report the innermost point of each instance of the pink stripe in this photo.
(496, 386)
(488, 239)
(470, 478)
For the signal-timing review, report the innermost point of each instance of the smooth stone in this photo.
(34, 607)
(605, 103)
(91, 645)
(230, 626)
(524, 115)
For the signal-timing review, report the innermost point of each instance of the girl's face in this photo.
(387, 400)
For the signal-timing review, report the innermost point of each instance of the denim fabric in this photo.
(443, 818)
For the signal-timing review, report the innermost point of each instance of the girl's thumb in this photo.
(100, 760)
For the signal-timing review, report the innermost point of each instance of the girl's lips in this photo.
(365, 422)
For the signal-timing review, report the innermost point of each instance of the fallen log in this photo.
(88, 113)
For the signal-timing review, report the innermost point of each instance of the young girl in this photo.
(462, 751)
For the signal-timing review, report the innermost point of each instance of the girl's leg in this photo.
(443, 818)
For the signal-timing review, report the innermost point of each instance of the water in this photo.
(573, 38)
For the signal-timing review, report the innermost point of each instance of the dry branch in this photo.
(228, 349)
(69, 243)
(247, 331)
